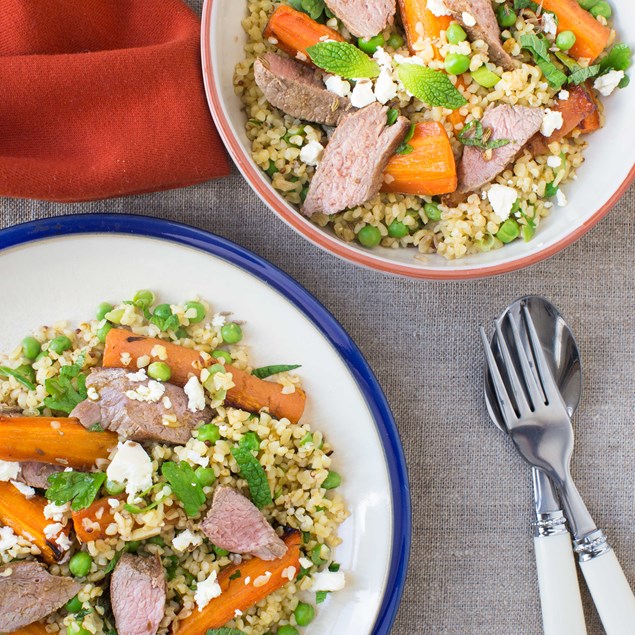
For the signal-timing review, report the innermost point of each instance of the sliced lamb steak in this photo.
(298, 90)
(137, 420)
(36, 474)
(351, 170)
(486, 28)
(234, 523)
(28, 592)
(364, 18)
(137, 594)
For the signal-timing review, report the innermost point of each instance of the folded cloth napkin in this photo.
(102, 98)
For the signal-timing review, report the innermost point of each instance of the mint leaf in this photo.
(580, 75)
(343, 59)
(267, 371)
(113, 563)
(619, 59)
(67, 389)
(19, 377)
(569, 62)
(185, 485)
(96, 427)
(535, 45)
(519, 5)
(79, 487)
(552, 73)
(254, 474)
(313, 8)
(320, 596)
(430, 86)
(539, 49)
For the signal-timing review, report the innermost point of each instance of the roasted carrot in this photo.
(430, 169)
(60, 441)
(591, 36)
(294, 32)
(26, 517)
(591, 122)
(265, 578)
(37, 628)
(123, 349)
(91, 523)
(419, 22)
(574, 110)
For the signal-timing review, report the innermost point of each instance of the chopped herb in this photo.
(82, 613)
(430, 86)
(267, 371)
(580, 75)
(480, 138)
(96, 428)
(313, 8)
(334, 567)
(67, 389)
(393, 115)
(343, 59)
(236, 575)
(303, 574)
(404, 148)
(79, 487)
(320, 596)
(619, 58)
(550, 190)
(539, 48)
(519, 5)
(569, 62)
(5, 371)
(254, 474)
(135, 509)
(185, 485)
(113, 563)
(306, 536)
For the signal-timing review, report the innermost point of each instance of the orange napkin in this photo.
(101, 98)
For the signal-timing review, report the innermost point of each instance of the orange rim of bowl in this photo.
(336, 246)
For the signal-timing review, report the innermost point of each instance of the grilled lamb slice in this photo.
(28, 593)
(138, 417)
(351, 170)
(364, 18)
(137, 594)
(234, 523)
(36, 474)
(517, 123)
(486, 28)
(298, 90)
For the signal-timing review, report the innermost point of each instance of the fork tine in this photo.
(504, 403)
(535, 391)
(524, 407)
(544, 370)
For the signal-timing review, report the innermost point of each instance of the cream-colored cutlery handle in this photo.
(560, 599)
(611, 593)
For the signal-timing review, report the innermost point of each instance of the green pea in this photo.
(332, 480)
(250, 441)
(198, 308)
(162, 311)
(397, 229)
(157, 540)
(370, 45)
(506, 16)
(103, 331)
(395, 41)
(287, 630)
(180, 333)
(456, 33)
(205, 476)
(602, 9)
(587, 4)
(132, 546)
(432, 211)
(369, 236)
(75, 629)
(143, 299)
(208, 432)
(115, 316)
(456, 64)
(484, 77)
(316, 556)
(565, 40)
(223, 356)
(60, 344)
(159, 371)
(79, 565)
(102, 309)
(508, 231)
(231, 333)
(304, 614)
(74, 605)
(41, 355)
(31, 347)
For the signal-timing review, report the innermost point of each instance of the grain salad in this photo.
(153, 481)
(489, 105)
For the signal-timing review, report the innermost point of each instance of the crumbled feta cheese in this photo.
(52, 530)
(337, 86)
(218, 320)
(131, 465)
(385, 87)
(328, 581)
(56, 512)
(197, 459)
(563, 95)
(207, 590)
(382, 58)
(401, 59)
(311, 153)
(138, 376)
(468, 19)
(554, 162)
(551, 121)
(186, 539)
(150, 393)
(549, 25)
(606, 84)
(502, 199)
(561, 199)
(195, 394)
(363, 94)
(9, 470)
(438, 8)
(25, 490)
(64, 542)
(237, 612)
(8, 539)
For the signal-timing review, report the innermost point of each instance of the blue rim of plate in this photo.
(320, 317)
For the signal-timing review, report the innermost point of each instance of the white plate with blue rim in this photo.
(62, 268)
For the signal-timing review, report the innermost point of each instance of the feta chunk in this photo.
(328, 581)
(385, 87)
(186, 539)
(9, 470)
(337, 86)
(311, 153)
(138, 376)
(438, 8)
(382, 58)
(606, 84)
(468, 19)
(502, 199)
(554, 162)
(195, 395)
(551, 121)
(131, 465)
(207, 590)
(151, 393)
(25, 490)
(549, 25)
(563, 95)
(561, 199)
(363, 94)
(8, 539)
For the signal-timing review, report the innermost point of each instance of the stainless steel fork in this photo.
(538, 423)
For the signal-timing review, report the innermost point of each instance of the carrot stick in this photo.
(591, 36)
(59, 441)
(249, 393)
(427, 171)
(294, 32)
(26, 517)
(239, 596)
(37, 628)
(91, 523)
(419, 22)
(591, 122)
